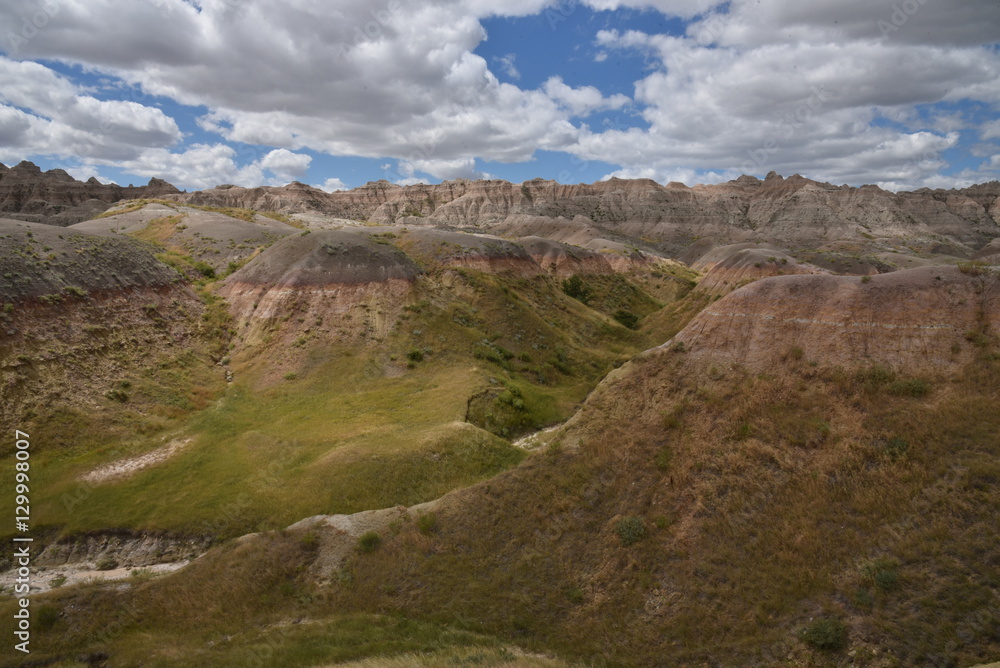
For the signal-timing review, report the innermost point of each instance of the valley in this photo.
(496, 424)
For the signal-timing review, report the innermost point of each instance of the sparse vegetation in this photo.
(631, 530)
(427, 523)
(369, 541)
(826, 634)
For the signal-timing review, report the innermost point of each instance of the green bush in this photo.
(427, 524)
(46, 617)
(631, 530)
(897, 447)
(76, 292)
(826, 634)
(910, 387)
(875, 377)
(369, 541)
(627, 318)
(883, 573)
(204, 268)
(574, 287)
(664, 457)
(106, 564)
(415, 355)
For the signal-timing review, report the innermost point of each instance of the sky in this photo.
(336, 93)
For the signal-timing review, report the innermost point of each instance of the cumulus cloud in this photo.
(203, 166)
(802, 87)
(41, 112)
(835, 89)
(285, 165)
(349, 79)
(583, 100)
(332, 184)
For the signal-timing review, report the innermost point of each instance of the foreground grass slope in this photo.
(688, 515)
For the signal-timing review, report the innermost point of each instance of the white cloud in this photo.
(584, 100)
(681, 8)
(791, 87)
(332, 184)
(346, 79)
(41, 112)
(990, 130)
(507, 65)
(285, 165)
(813, 87)
(206, 165)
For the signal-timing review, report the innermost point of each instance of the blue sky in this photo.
(336, 94)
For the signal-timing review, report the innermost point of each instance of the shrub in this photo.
(369, 541)
(427, 524)
(574, 287)
(631, 530)
(106, 564)
(291, 375)
(76, 292)
(874, 377)
(118, 395)
(204, 268)
(897, 447)
(910, 387)
(664, 457)
(57, 581)
(627, 318)
(977, 339)
(415, 355)
(8, 307)
(883, 573)
(46, 617)
(863, 598)
(826, 634)
(972, 268)
(866, 279)
(796, 353)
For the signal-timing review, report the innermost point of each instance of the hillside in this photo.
(486, 436)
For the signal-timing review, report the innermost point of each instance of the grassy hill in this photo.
(679, 510)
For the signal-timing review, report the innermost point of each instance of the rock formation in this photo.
(791, 212)
(55, 197)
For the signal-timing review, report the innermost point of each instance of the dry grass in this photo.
(751, 532)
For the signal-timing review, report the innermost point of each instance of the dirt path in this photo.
(126, 467)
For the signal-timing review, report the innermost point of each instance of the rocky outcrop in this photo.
(730, 267)
(56, 198)
(918, 319)
(336, 283)
(791, 212)
(53, 264)
(209, 236)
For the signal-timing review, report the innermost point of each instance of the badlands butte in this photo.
(496, 424)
